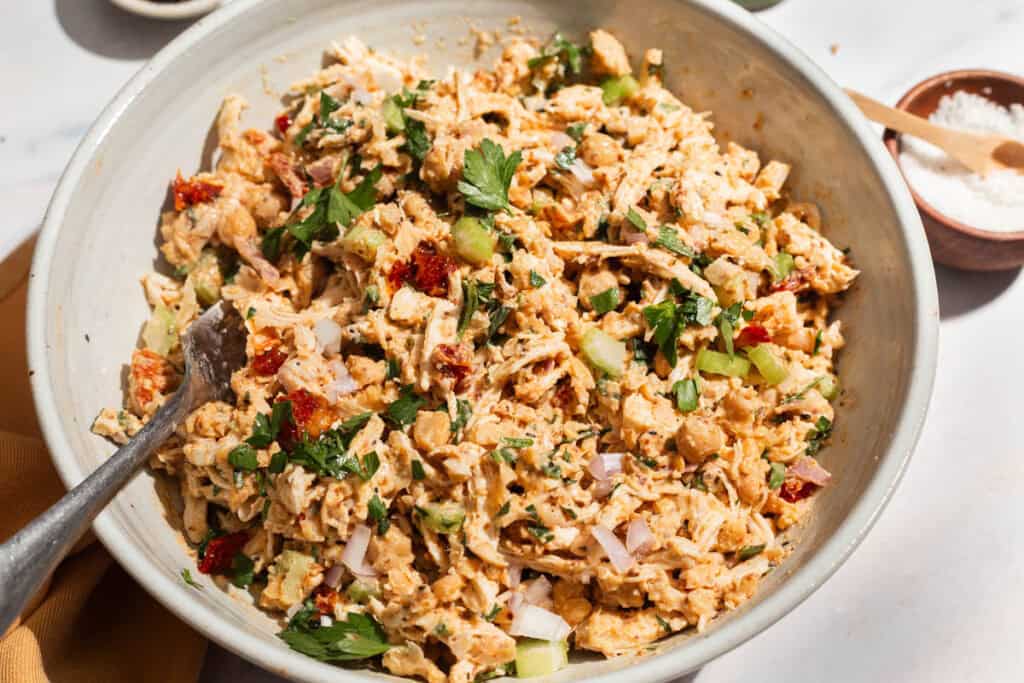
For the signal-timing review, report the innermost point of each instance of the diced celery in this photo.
(604, 352)
(394, 119)
(363, 241)
(829, 387)
(360, 591)
(615, 90)
(767, 364)
(540, 657)
(473, 241)
(721, 364)
(294, 565)
(444, 518)
(783, 265)
(161, 332)
(206, 278)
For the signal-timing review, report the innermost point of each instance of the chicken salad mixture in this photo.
(534, 364)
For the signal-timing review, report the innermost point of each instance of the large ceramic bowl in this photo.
(86, 306)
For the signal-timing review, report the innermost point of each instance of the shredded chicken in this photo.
(618, 376)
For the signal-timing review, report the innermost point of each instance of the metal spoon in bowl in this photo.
(214, 348)
(980, 152)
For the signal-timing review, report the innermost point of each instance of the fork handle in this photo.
(28, 557)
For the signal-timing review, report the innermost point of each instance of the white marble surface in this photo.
(934, 593)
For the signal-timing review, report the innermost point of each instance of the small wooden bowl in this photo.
(954, 243)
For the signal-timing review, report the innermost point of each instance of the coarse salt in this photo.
(993, 203)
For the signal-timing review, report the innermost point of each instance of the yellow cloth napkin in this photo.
(91, 623)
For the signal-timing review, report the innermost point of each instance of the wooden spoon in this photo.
(980, 152)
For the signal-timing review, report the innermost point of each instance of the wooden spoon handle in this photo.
(899, 120)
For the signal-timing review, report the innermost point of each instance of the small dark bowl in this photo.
(954, 243)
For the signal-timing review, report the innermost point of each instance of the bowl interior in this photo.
(100, 237)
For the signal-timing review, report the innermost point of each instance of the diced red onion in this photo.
(354, 556)
(536, 622)
(325, 621)
(613, 547)
(515, 573)
(362, 96)
(328, 335)
(515, 601)
(807, 469)
(604, 466)
(342, 385)
(538, 591)
(638, 536)
(561, 140)
(635, 237)
(322, 171)
(583, 172)
(333, 575)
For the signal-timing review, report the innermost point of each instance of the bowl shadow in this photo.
(106, 30)
(962, 291)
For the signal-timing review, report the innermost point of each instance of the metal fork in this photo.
(214, 348)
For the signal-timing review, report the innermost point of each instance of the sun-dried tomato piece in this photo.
(752, 335)
(325, 598)
(426, 270)
(399, 274)
(283, 123)
(454, 360)
(795, 489)
(431, 270)
(193, 191)
(269, 362)
(565, 395)
(310, 415)
(221, 551)
(793, 282)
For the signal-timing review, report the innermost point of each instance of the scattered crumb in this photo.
(759, 121)
(281, 59)
(747, 93)
(484, 40)
(419, 39)
(834, 48)
(441, 44)
(464, 40)
(514, 21)
(265, 81)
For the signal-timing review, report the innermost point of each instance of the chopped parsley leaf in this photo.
(357, 637)
(402, 411)
(687, 395)
(668, 239)
(817, 343)
(566, 158)
(487, 174)
(776, 476)
(638, 222)
(536, 280)
(243, 457)
(378, 512)
(186, 576)
(608, 300)
(418, 473)
(266, 427)
(817, 435)
(576, 131)
(749, 551)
